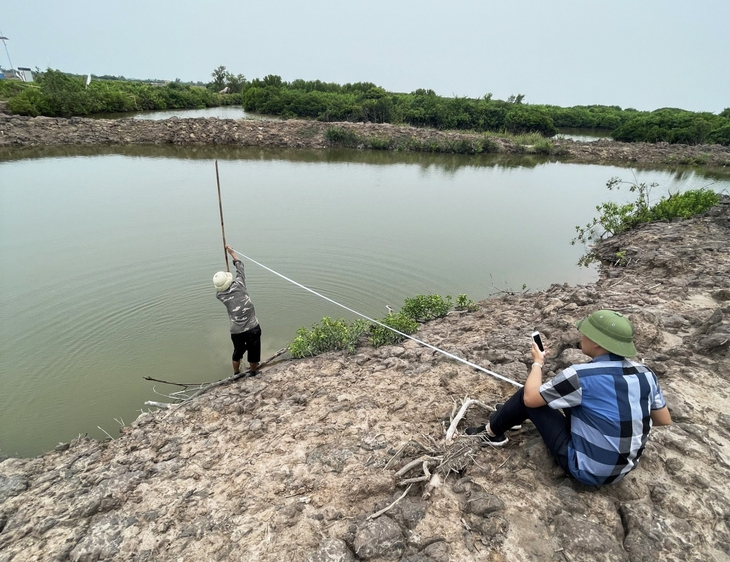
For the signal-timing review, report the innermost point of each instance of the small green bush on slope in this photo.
(614, 219)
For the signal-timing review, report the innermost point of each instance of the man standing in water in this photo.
(245, 329)
(608, 404)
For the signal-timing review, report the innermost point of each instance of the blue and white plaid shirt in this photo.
(609, 401)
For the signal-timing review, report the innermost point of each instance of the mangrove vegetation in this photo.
(58, 94)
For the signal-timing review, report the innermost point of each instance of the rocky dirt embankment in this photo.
(289, 465)
(18, 131)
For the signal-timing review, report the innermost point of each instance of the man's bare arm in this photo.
(232, 253)
(532, 397)
(661, 417)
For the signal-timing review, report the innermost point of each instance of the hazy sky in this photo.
(643, 54)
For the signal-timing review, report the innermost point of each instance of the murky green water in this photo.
(106, 258)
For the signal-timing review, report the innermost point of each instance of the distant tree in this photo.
(273, 80)
(219, 78)
(64, 95)
(235, 83)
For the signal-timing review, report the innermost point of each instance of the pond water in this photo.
(222, 112)
(107, 257)
(584, 135)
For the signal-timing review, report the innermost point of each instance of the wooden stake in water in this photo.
(220, 207)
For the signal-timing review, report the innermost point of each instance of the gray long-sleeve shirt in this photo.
(240, 308)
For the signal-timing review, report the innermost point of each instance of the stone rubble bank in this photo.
(20, 131)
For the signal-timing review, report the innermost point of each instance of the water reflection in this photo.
(443, 162)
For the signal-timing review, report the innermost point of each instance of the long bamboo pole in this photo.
(220, 207)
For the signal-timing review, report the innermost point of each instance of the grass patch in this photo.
(333, 335)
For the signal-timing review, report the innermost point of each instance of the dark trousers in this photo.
(250, 341)
(553, 426)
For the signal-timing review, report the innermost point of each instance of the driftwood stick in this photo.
(105, 431)
(456, 419)
(230, 379)
(413, 480)
(462, 412)
(412, 464)
(205, 386)
(379, 513)
(162, 405)
(454, 409)
(426, 474)
(397, 454)
(183, 384)
(421, 446)
(434, 483)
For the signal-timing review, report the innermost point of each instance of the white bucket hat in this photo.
(222, 280)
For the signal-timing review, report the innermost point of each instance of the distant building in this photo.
(20, 73)
(27, 74)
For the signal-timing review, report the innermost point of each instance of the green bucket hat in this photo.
(611, 330)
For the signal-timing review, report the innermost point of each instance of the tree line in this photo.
(364, 101)
(58, 94)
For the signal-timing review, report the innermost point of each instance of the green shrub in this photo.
(684, 205)
(465, 146)
(614, 219)
(12, 88)
(28, 102)
(64, 95)
(464, 303)
(426, 307)
(342, 137)
(380, 335)
(675, 126)
(380, 143)
(720, 135)
(528, 119)
(331, 335)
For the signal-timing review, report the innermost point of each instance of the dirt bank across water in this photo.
(289, 465)
(17, 131)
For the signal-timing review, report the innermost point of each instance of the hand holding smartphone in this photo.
(538, 340)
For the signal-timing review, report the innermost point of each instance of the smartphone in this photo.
(538, 340)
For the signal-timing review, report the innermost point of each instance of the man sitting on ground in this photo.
(608, 404)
